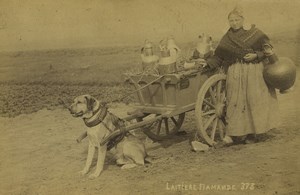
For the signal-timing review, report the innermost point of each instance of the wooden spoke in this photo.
(209, 121)
(174, 121)
(167, 126)
(158, 127)
(223, 95)
(206, 108)
(219, 86)
(209, 113)
(213, 132)
(208, 103)
(212, 95)
(164, 128)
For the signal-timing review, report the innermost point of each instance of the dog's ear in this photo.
(90, 101)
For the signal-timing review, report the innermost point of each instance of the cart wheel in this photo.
(210, 109)
(164, 128)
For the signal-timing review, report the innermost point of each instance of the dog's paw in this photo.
(83, 172)
(128, 166)
(94, 175)
(121, 161)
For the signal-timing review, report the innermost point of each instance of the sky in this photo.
(52, 24)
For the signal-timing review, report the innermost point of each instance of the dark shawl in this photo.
(234, 45)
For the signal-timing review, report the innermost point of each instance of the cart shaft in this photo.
(130, 127)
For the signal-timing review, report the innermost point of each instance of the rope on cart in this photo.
(132, 92)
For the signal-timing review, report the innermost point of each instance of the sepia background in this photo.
(54, 49)
(33, 24)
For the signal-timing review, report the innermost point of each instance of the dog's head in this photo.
(83, 106)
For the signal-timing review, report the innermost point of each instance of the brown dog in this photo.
(130, 151)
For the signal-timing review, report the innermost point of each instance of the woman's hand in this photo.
(250, 57)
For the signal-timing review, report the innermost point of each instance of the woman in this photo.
(251, 106)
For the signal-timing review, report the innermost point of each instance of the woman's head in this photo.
(236, 19)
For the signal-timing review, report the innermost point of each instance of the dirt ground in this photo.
(39, 155)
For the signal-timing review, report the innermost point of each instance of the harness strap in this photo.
(114, 141)
(119, 124)
(98, 116)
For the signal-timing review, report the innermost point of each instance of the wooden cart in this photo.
(163, 100)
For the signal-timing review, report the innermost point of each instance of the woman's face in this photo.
(236, 22)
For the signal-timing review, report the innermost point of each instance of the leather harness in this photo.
(98, 117)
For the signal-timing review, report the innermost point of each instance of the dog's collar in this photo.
(98, 116)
